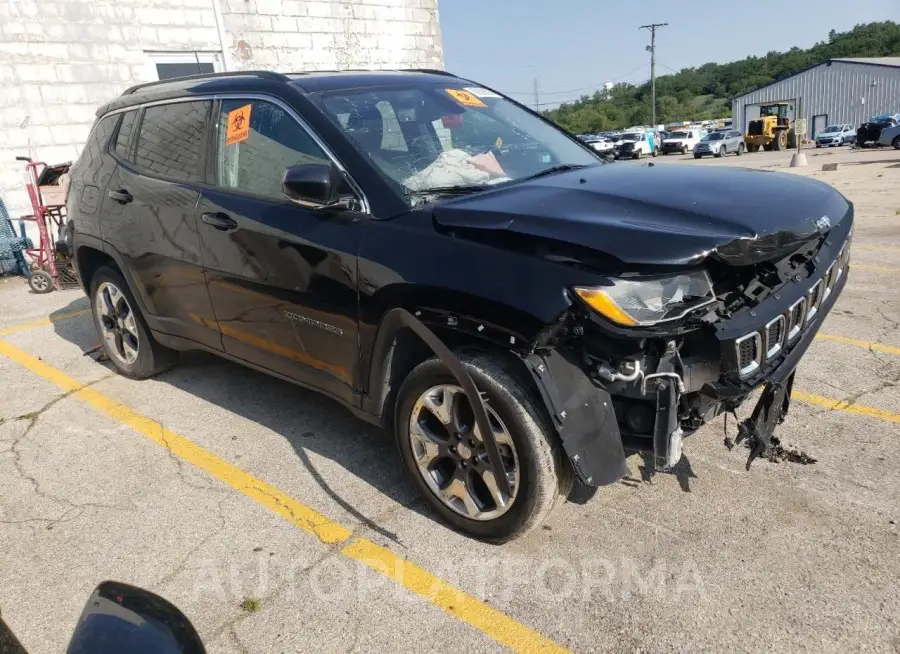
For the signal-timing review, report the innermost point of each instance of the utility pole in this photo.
(652, 50)
(537, 103)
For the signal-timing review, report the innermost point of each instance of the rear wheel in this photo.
(444, 453)
(123, 331)
(740, 149)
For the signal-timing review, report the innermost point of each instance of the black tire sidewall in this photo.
(522, 513)
(145, 365)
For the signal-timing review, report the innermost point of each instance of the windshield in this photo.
(714, 136)
(832, 128)
(429, 137)
(630, 137)
(678, 135)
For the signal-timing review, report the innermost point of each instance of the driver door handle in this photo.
(220, 221)
(121, 196)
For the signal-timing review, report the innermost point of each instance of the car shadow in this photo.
(315, 426)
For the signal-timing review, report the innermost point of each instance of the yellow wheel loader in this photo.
(773, 130)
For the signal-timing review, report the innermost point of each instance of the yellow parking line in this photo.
(450, 599)
(841, 405)
(869, 266)
(875, 248)
(42, 322)
(866, 345)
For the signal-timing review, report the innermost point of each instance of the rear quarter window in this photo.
(123, 137)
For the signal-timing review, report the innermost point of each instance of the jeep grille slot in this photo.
(749, 351)
(774, 336)
(813, 299)
(795, 318)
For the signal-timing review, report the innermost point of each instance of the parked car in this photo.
(634, 145)
(835, 135)
(454, 268)
(681, 141)
(870, 132)
(890, 136)
(598, 143)
(720, 143)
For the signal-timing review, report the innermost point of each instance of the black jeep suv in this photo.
(449, 265)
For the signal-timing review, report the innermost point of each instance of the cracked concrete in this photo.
(808, 552)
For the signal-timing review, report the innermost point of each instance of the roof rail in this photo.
(432, 71)
(265, 74)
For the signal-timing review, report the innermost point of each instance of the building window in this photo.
(180, 64)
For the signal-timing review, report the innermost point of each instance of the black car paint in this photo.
(608, 210)
(494, 266)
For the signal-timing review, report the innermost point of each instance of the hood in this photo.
(662, 215)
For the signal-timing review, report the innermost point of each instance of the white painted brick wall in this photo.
(57, 66)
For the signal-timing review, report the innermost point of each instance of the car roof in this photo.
(259, 80)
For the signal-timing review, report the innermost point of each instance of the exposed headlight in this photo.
(648, 301)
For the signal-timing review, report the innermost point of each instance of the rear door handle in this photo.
(122, 196)
(220, 221)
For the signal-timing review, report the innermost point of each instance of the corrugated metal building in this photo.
(849, 90)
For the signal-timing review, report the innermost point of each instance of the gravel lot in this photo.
(782, 558)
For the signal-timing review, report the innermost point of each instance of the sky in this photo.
(573, 46)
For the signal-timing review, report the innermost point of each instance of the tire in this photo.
(698, 156)
(740, 150)
(151, 358)
(544, 474)
(780, 141)
(40, 282)
(684, 150)
(721, 152)
(896, 143)
(638, 154)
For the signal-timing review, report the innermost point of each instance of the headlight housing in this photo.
(646, 301)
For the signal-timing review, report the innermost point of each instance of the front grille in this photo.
(756, 348)
(755, 128)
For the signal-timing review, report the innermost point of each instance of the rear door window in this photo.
(170, 142)
(256, 141)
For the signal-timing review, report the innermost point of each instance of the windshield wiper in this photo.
(459, 189)
(557, 169)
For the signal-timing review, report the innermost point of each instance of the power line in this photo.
(652, 48)
(595, 86)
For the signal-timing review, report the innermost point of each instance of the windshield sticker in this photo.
(465, 98)
(238, 126)
(479, 92)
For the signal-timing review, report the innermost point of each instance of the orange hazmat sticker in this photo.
(238, 128)
(465, 98)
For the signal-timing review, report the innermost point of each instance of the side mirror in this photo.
(314, 185)
(122, 618)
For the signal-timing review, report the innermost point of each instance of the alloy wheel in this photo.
(117, 323)
(451, 457)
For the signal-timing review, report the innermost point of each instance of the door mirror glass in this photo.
(122, 618)
(312, 184)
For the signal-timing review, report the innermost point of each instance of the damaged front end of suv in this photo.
(687, 326)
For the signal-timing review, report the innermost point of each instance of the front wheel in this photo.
(684, 150)
(124, 334)
(720, 152)
(697, 156)
(444, 453)
(896, 143)
(637, 155)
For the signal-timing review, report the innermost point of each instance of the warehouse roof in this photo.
(892, 62)
(878, 61)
